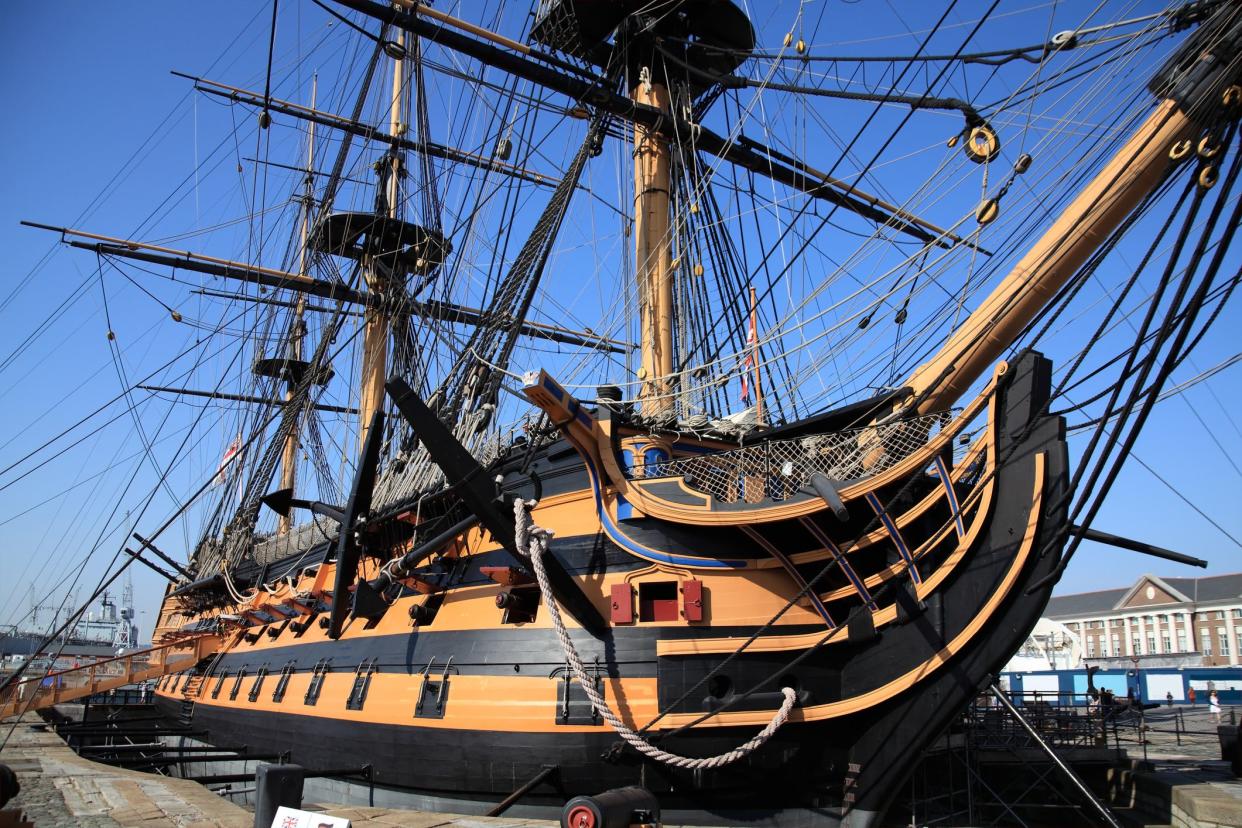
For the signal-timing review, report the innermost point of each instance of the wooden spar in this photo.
(283, 279)
(457, 23)
(253, 273)
(1132, 173)
(850, 190)
(246, 398)
(297, 333)
(461, 314)
(652, 255)
(329, 119)
(592, 93)
(378, 319)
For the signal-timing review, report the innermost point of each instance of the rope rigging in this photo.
(532, 542)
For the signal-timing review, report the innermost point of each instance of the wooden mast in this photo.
(653, 257)
(378, 319)
(297, 335)
(753, 344)
(1132, 174)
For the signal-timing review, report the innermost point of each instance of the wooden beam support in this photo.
(478, 494)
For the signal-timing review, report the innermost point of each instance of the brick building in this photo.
(1169, 622)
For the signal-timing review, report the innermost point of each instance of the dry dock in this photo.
(1180, 785)
(61, 789)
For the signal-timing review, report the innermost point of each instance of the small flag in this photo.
(229, 454)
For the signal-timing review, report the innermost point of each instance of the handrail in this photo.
(122, 657)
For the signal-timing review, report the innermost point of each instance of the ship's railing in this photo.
(61, 686)
(777, 469)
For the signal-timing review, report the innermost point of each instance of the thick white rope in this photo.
(533, 541)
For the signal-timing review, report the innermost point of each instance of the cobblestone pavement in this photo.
(62, 790)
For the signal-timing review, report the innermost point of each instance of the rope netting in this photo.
(778, 469)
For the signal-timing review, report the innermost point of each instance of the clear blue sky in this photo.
(87, 84)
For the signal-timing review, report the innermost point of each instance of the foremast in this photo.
(378, 317)
(297, 328)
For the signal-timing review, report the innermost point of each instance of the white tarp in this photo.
(1160, 685)
(1201, 685)
(1032, 683)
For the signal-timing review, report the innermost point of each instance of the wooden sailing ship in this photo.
(860, 573)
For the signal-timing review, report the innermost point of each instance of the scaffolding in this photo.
(1026, 759)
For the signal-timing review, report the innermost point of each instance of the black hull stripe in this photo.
(628, 651)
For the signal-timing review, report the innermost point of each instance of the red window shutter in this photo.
(692, 600)
(622, 604)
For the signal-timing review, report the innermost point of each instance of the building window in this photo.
(1151, 644)
(1237, 613)
(1136, 646)
(1181, 641)
(1220, 615)
(1165, 643)
(1223, 635)
(1205, 639)
(1090, 648)
(1117, 645)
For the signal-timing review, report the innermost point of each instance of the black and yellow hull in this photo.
(925, 598)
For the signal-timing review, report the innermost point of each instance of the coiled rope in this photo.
(533, 541)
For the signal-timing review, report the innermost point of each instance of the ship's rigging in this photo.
(697, 196)
(723, 265)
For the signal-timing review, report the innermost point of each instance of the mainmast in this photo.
(297, 334)
(653, 253)
(378, 276)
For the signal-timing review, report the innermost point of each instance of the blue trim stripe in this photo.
(619, 538)
(898, 541)
(851, 574)
(784, 560)
(949, 492)
(556, 390)
(809, 524)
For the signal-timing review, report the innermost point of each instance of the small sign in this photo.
(294, 818)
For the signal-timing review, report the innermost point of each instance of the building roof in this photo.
(1216, 588)
(1084, 603)
(1197, 590)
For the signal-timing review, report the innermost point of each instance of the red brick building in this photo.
(1165, 621)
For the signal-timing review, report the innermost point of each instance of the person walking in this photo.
(1214, 707)
(1168, 698)
(1191, 695)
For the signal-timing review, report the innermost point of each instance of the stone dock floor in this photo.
(1186, 784)
(63, 790)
